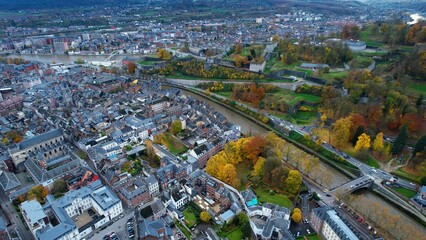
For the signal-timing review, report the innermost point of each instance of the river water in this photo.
(65, 59)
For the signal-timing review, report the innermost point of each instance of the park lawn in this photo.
(405, 192)
(310, 237)
(148, 63)
(236, 234)
(411, 176)
(190, 218)
(224, 94)
(373, 163)
(263, 195)
(360, 62)
(183, 229)
(304, 118)
(417, 87)
(334, 75)
(173, 145)
(292, 98)
(278, 65)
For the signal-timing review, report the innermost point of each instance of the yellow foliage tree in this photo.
(297, 215)
(363, 142)
(205, 216)
(323, 119)
(228, 173)
(378, 144)
(293, 181)
(258, 167)
(342, 130)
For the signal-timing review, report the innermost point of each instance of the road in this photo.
(9, 210)
(119, 226)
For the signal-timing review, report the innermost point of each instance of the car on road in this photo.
(327, 195)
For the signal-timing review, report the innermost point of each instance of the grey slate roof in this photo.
(39, 138)
(8, 181)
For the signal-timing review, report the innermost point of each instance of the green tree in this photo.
(419, 101)
(358, 132)
(79, 61)
(205, 216)
(246, 230)
(420, 145)
(176, 127)
(59, 186)
(293, 181)
(400, 140)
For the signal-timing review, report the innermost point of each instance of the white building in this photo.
(62, 218)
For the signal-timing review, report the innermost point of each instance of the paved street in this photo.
(118, 226)
(9, 210)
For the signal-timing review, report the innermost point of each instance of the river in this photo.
(66, 59)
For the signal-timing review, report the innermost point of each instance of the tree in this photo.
(358, 132)
(419, 101)
(59, 186)
(293, 181)
(323, 119)
(423, 181)
(276, 38)
(297, 215)
(205, 216)
(150, 151)
(246, 230)
(79, 61)
(238, 48)
(126, 166)
(228, 174)
(131, 67)
(176, 127)
(363, 142)
(420, 145)
(342, 130)
(239, 60)
(400, 140)
(254, 147)
(378, 144)
(258, 167)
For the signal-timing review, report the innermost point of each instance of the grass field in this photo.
(360, 62)
(409, 176)
(417, 87)
(309, 237)
(148, 63)
(333, 75)
(224, 94)
(278, 65)
(236, 234)
(183, 229)
(190, 218)
(263, 195)
(405, 192)
(173, 145)
(292, 98)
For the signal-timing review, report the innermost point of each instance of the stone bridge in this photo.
(361, 182)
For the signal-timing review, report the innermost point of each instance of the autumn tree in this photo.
(378, 144)
(363, 142)
(239, 60)
(164, 54)
(254, 147)
(293, 181)
(131, 67)
(296, 216)
(342, 130)
(205, 216)
(400, 140)
(126, 166)
(258, 167)
(350, 31)
(229, 175)
(238, 48)
(323, 119)
(150, 151)
(176, 127)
